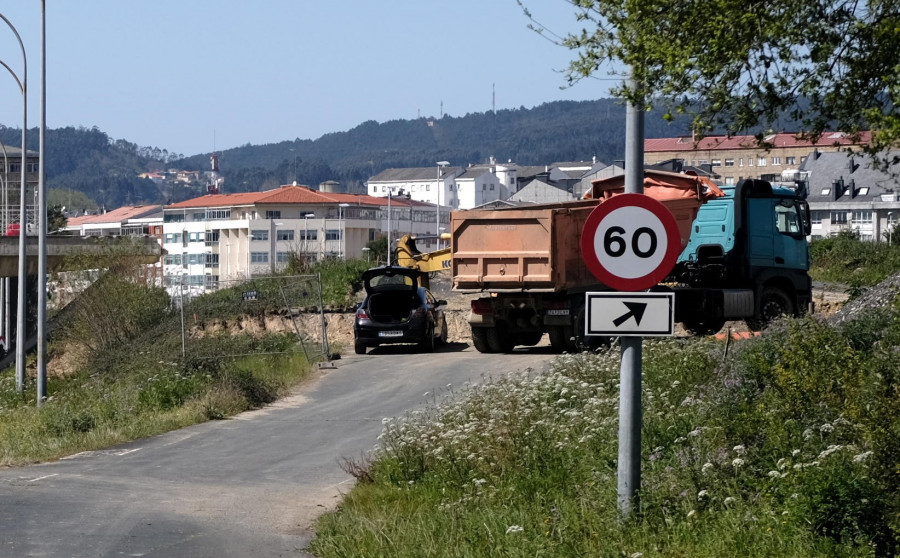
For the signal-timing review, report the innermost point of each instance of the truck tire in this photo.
(499, 339)
(479, 339)
(559, 338)
(530, 338)
(701, 326)
(773, 303)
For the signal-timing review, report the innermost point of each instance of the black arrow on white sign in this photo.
(635, 309)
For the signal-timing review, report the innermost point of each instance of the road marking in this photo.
(117, 453)
(44, 477)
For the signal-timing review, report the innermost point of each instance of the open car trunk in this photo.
(391, 307)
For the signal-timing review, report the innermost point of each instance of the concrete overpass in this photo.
(69, 253)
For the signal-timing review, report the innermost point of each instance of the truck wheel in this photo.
(359, 348)
(530, 338)
(559, 338)
(499, 339)
(701, 326)
(479, 339)
(772, 304)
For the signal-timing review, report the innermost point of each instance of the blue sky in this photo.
(193, 75)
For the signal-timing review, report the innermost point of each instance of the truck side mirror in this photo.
(805, 216)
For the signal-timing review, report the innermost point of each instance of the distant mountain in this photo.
(105, 169)
(552, 132)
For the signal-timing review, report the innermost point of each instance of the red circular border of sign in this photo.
(673, 248)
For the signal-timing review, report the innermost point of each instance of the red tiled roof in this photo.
(828, 139)
(286, 195)
(115, 216)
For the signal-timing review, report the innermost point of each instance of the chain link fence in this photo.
(233, 318)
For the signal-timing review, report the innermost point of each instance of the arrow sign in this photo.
(630, 314)
(635, 309)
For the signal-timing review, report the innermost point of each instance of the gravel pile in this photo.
(881, 295)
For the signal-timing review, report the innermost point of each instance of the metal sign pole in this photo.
(629, 464)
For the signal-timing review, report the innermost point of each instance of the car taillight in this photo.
(481, 306)
(361, 314)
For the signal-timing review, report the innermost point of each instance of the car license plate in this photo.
(558, 312)
(390, 334)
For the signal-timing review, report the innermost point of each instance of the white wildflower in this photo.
(782, 463)
(728, 501)
(478, 482)
(826, 428)
(774, 474)
(702, 494)
(738, 462)
(692, 513)
(862, 457)
(795, 453)
(514, 529)
(740, 450)
(637, 555)
(707, 467)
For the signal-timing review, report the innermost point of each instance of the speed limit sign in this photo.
(630, 242)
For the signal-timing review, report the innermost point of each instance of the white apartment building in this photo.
(219, 237)
(451, 187)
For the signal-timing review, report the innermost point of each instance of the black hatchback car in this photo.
(398, 310)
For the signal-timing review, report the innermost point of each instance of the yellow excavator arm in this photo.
(408, 255)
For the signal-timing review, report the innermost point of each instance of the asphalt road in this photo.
(250, 486)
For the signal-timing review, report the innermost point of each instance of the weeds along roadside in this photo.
(788, 446)
(132, 382)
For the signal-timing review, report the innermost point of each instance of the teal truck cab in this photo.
(747, 258)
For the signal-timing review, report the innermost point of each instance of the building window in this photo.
(729, 180)
(309, 234)
(741, 162)
(815, 217)
(761, 162)
(864, 191)
(212, 237)
(218, 214)
(195, 236)
(749, 161)
(212, 260)
(716, 163)
(863, 217)
(776, 161)
(333, 234)
(259, 257)
(172, 259)
(282, 257)
(826, 191)
(790, 160)
(172, 238)
(838, 217)
(270, 214)
(198, 216)
(259, 234)
(729, 162)
(284, 235)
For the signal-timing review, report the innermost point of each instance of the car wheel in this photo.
(359, 348)
(499, 339)
(772, 304)
(479, 339)
(443, 338)
(427, 343)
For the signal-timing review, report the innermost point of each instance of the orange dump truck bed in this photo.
(538, 248)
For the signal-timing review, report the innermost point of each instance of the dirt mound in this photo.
(881, 295)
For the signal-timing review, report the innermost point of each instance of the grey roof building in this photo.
(849, 191)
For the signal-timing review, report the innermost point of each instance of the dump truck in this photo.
(744, 257)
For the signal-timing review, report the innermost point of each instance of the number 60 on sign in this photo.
(630, 242)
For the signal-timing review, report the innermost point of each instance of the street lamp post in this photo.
(390, 195)
(20, 302)
(341, 207)
(437, 207)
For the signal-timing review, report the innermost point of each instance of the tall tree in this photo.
(737, 64)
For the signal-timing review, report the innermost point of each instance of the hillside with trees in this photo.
(107, 170)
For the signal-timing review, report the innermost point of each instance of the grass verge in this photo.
(788, 446)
